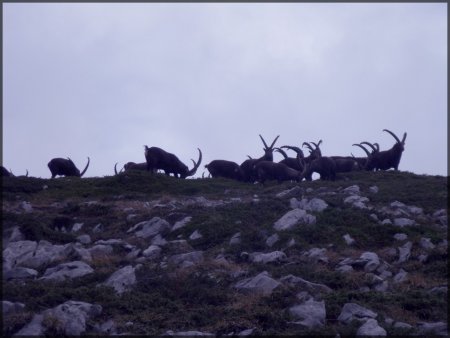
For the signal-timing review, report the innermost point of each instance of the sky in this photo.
(104, 79)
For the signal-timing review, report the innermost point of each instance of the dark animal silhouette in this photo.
(158, 158)
(267, 170)
(224, 168)
(247, 166)
(65, 167)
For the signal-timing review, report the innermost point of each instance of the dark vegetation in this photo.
(202, 298)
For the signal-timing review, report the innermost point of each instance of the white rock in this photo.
(348, 239)
(261, 283)
(272, 240)
(77, 227)
(195, 235)
(123, 279)
(426, 243)
(353, 189)
(402, 222)
(270, 257)
(65, 271)
(152, 252)
(353, 311)
(236, 239)
(150, 228)
(371, 328)
(293, 218)
(182, 223)
(311, 313)
(400, 237)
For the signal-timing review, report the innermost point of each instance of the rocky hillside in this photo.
(142, 254)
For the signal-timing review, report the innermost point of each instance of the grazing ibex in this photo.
(247, 166)
(267, 170)
(65, 167)
(158, 158)
(131, 166)
(6, 173)
(224, 168)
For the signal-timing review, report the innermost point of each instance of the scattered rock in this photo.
(313, 288)
(403, 222)
(373, 189)
(400, 237)
(353, 190)
(353, 311)
(426, 244)
(313, 205)
(371, 328)
(357, 201)
(348, 239)
(123, 279)
(270, 257)
(182, 223)
(236, 239)
(193, 257)
(316, 255)
(293, 218)
(436, 328)
(19, 273)
(64, 271)
(311, 313)
(77, 227)
(272, 240)
(84, 239)
(150, 228)
(261, 283)
(400, 277)
(26, 206)
(404, 252)
(10, 307)
(290, 192)
(152, 252)
(195, 235)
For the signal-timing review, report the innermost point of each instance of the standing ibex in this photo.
(292, 162)
(315, 162)
(158, 158)
(224, 168)
(247, 166)
(65, 167)
(391, 158)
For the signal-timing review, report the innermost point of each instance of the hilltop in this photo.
(148, 254)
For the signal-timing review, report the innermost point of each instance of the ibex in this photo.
(324, 166)
(65, 167)
(292, 162)
(315, 162)
(158, 158)
(6, 173)
(390, 158)
(131, 166)
(247, 166)
(224, 168)
(345, 164)
(267, 170)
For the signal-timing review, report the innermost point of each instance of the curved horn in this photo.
(282, 152)
(87, 165)
(26, 175)
(264, 142)
(377, 146)
(276, 138)
(404, 138)
(196, 165)
(365, 150)
(317, 144)
(307, 145)
(396, 138)
(249, 157)
(296, 149)
(370, 145)
(115, 168)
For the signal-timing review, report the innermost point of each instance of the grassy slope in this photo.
(203, 299)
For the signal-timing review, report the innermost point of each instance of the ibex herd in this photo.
(255, 170)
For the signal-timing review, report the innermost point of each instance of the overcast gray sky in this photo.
(104, 79)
